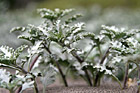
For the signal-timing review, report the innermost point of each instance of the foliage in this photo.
(59, 39)
(11, 58)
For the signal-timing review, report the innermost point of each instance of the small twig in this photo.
(58, 66)
(63, 76)
(11, 67)
(18, 90)
(34, 61)
(68, 69)
(101, 62)
(25, 72)
(81, 61)
(138, 91)
(126, 76)
(35, 86)
(105, 55)
(100, 51)
(88, 53)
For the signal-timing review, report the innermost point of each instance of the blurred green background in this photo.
(88, 3)
(13, 4)
(121, 13)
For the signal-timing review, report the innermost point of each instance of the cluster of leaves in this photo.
(59, 39)
(23, 77)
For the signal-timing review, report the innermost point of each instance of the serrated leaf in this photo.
(7, 52)
(53, 15)
(73, 18)
(27, 85)
(102, 69)
(35, 49)
(48, 74)
(22, 29)
(20, 49)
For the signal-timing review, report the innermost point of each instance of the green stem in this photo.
(44, 89)
(97, 78)
(117, 81)
(11, 91)
(32, 64)
(133, 70)
(68, 68)
(25, 72)
(100, 51)
(35, 87)
(80, 60)
(85, 70)
(88, 53)
(29, 63)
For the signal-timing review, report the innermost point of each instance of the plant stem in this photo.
(11, 91)
(35, 84)
(138, 91)
(85, 70)
(62, 75)
(35, 87)
(104, 57)
(25, 72)
(88, 53)
(101, 62)
(100, 51)
(18, 90)
(80, 60)
(58, 66)
(44, 89)
(96, 80)
(126, 76)
(34, 61)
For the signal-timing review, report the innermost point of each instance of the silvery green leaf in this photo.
(35, 49)
(102, 68)
(4, 76)
(9, 56)
(20, 49)
(66, 11)
(48, 74)
(7, 52)
(78, 68)
(35, 71)
(18, 29)
(77, 65)
(27, 85)
(24, 37)
(9, 81)
(53, 15)
(73, 18)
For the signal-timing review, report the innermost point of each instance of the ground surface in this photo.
(78, 86)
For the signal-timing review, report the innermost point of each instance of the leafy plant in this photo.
(11, 58)
(60, 39)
